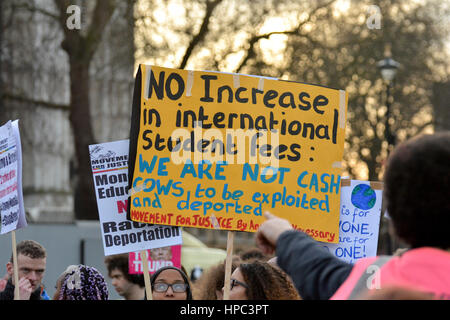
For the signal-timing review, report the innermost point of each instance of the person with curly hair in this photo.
(129, 286)
(259, 280)
(416, 186)
(209, 285)
(81, 282)
(253, 254)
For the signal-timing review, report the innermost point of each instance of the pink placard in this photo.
(157, 258)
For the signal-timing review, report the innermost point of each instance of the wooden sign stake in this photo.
(148, 287)
(228, 263)
(16, 267)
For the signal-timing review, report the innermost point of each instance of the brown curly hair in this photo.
(253, 254)
(211, 280)
(265, 282)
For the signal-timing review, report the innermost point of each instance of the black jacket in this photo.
(316, 273)
(8, 293)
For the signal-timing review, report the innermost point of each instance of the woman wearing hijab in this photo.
(80, 282)
(170, 283)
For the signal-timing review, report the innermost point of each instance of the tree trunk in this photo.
(85, 202)
(441, 106)
(80, 49)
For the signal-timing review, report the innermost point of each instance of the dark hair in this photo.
(120, 262)
(265, 282)
(30, 248)
(416, 186)
(213, 279)
(185, 278)
(253, 254)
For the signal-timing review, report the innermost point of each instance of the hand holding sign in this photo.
(269, 232)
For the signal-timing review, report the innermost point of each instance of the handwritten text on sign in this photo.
(360, 220)
(215, 150)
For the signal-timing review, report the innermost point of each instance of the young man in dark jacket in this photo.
(31, 261)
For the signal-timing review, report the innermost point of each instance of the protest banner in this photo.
(12, 210)
(215, 150)
(11, 196)
(158, 258)
(359, 220)
(109, 167)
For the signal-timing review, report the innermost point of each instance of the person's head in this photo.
(209, 285)
(31, 262)
(253, 254)
(260, 281)
(80, 282)
(416, 184)
(124, 283)
(170, 283)
(163, 253)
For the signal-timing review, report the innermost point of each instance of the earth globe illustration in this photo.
(363, 197)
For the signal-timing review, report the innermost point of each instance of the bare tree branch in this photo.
(72, 38)
(30, 101)
(74, 42)
(101, 16)
(32, 8)
(198, 38)
(296, 31)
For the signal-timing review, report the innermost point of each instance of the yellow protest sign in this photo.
(215, 150)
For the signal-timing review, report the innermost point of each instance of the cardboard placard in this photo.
(11, 197)
(110, 172)
(359, 220)
(215, 150)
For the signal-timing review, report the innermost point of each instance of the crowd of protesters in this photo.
(288, 264)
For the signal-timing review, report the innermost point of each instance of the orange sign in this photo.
(215, 150)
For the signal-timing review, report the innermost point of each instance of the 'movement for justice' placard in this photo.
(215, 150)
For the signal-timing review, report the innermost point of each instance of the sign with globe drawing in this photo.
(359, 223)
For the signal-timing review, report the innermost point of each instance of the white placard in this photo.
(11, 197)
(359, 221)
(109, 162)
